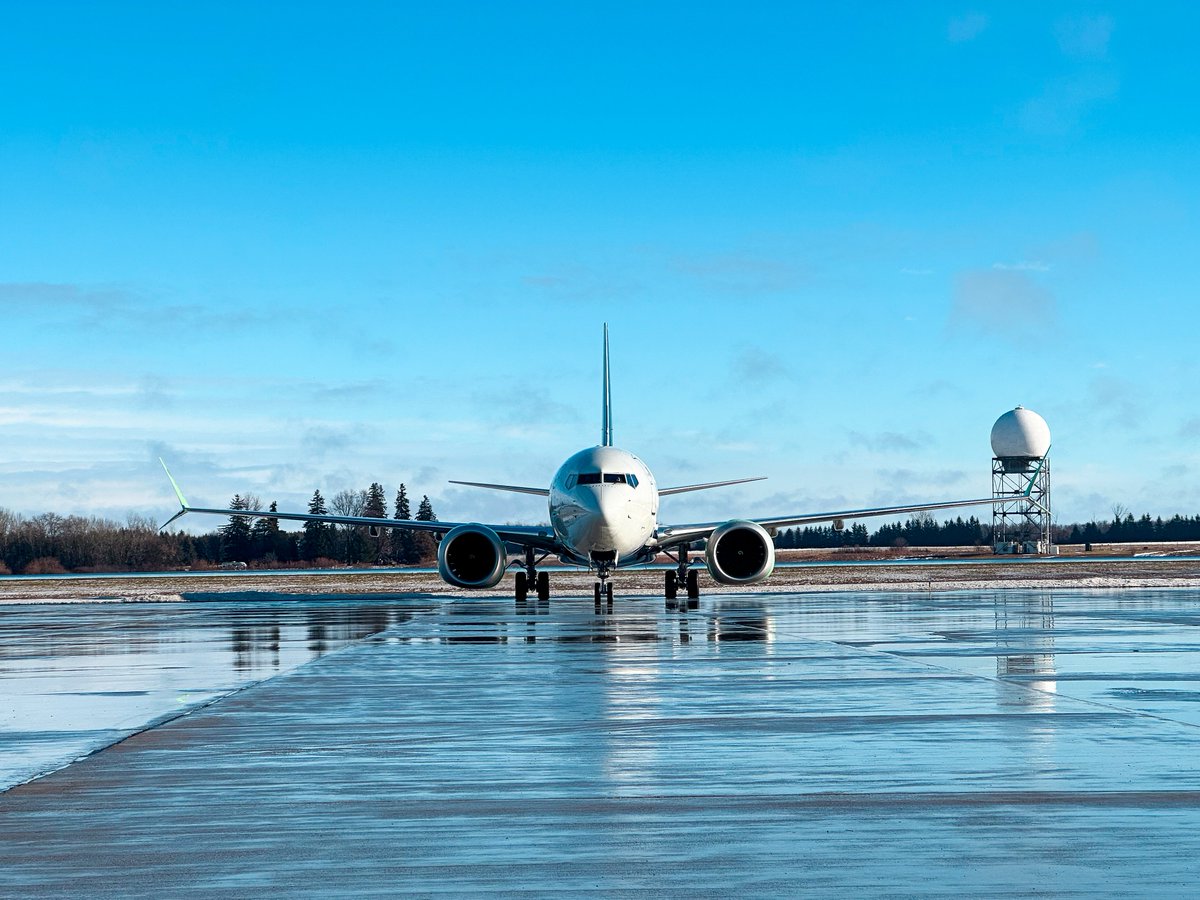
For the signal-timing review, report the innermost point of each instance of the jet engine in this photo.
(740, 552)
(472, 556)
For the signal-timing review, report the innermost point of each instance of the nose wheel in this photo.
(602, 589)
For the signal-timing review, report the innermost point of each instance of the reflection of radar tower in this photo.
(1025, 645)
(1020, 442)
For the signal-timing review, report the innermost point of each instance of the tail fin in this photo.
(606, 438)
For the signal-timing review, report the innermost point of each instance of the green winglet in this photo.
(178, 493)
(1033, 477)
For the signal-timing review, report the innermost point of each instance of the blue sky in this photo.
(293, 246)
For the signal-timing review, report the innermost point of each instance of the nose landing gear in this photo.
(602, 589)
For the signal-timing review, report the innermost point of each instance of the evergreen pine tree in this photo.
(376, 508)
(268, 539)
(425, 511)
(236, 540)
(425, 544)
(404, 548)
(316, 541)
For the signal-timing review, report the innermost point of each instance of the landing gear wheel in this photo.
(522, 587)
(693, 589)
(671, 588)
(596, 591)
(608, 593)
(543, 587)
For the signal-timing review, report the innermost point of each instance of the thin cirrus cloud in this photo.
(1116, 402)
(581, 283)
(1023, 266)
(998, 301)
(1190, 429)
(889, 441)
(1084, 37)
(754, 365)
(113, 306)
(1065, 102)
(966, 27)
(741, 273)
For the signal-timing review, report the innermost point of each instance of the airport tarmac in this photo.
(1005, 742)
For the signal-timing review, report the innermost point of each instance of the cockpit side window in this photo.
(571, 480)
(588, 478)
(631, 479)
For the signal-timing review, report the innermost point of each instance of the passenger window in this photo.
(589, 478)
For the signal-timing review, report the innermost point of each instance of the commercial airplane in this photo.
(603, 505)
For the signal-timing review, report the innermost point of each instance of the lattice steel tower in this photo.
(1020, 444)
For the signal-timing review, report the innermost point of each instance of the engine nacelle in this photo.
(472, 556)
(740, 552)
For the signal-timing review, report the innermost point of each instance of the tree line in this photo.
(51, 544)
(261, 540)
(925, 531)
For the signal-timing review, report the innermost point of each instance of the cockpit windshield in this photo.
(602, 478)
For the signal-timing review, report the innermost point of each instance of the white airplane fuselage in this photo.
(604, 500)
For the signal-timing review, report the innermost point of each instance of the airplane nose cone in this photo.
(591, 501)
(598, 533)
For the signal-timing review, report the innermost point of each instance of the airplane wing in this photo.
(513, 488)
(673, 535)
(664, 492)
(681, 534)
(540, 536)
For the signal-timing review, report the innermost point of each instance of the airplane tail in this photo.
(606, 438)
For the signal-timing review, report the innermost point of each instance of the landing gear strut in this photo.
(602, 589)
(682, 576)
(529, 577)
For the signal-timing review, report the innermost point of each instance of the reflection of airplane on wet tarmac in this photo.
(603, 505)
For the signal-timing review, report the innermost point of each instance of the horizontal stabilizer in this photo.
(704, 487)
(512, 488)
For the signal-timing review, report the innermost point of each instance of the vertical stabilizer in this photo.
(606, 437)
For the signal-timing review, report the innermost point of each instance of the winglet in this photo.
(1036, 472)
(183, 504)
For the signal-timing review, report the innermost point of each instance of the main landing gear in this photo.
(531, 577)
(682, 576)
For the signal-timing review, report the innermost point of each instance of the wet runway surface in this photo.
(1003, 743)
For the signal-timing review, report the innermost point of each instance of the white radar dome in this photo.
(1020, 433)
